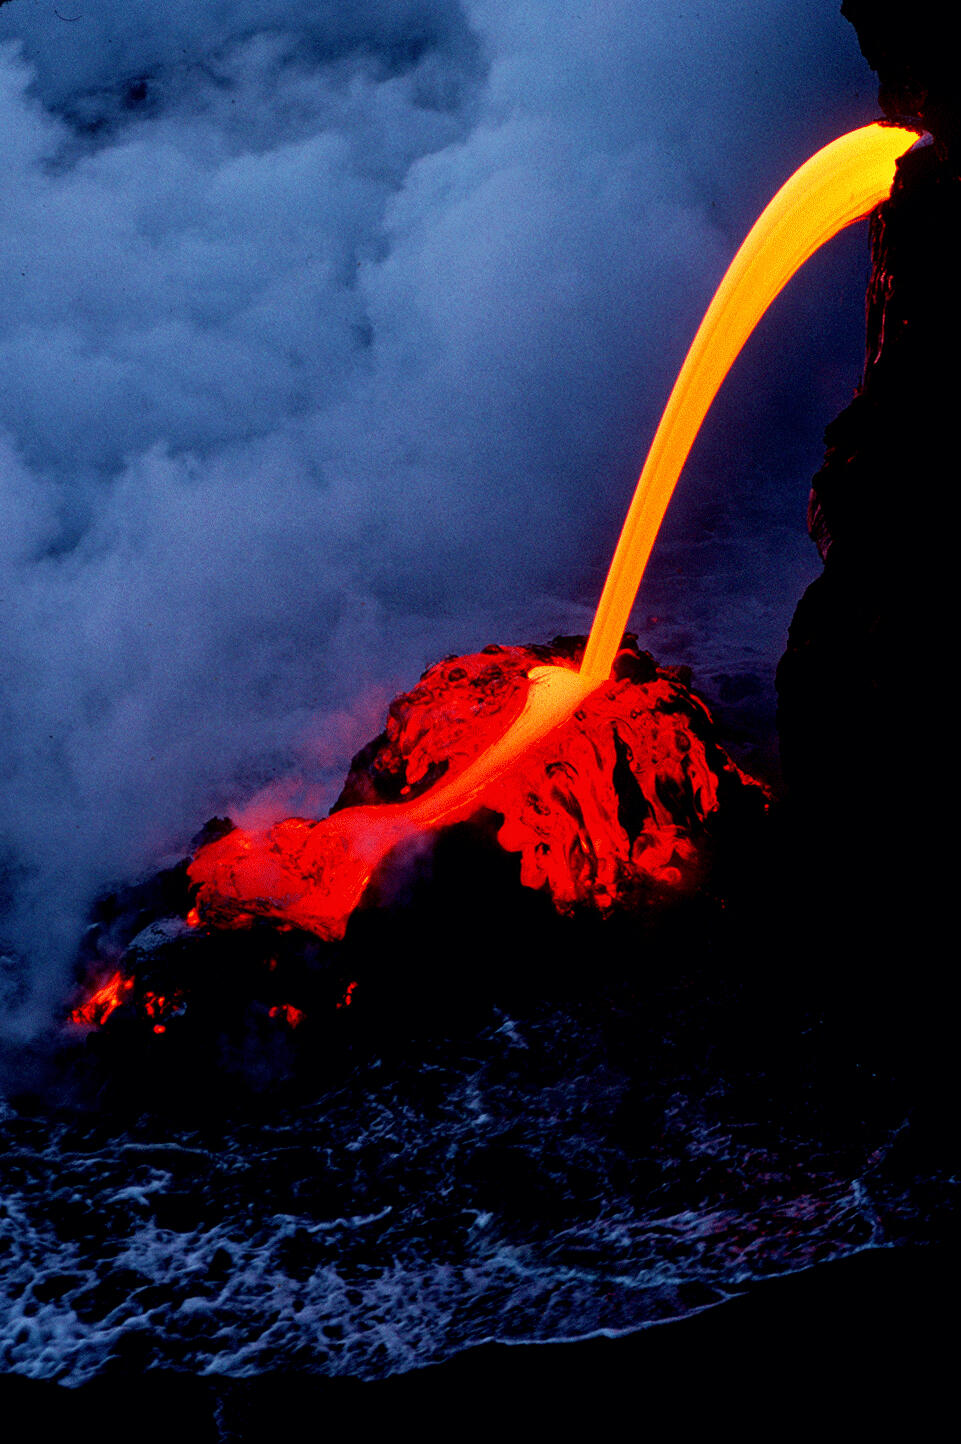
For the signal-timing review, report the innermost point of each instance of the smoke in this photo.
(332, 338)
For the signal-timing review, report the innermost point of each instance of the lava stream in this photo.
(337, 860)
(334, 861)
(840, 184)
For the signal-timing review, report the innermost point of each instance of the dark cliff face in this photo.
(915, 50)
(866, 741)
(872, 634)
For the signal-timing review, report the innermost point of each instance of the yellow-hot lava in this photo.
(840, 184)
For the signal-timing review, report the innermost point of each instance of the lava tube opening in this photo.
(840, 184)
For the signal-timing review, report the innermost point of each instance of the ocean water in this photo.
(568, 1166)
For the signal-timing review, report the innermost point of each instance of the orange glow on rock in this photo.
(96, 1009)
(348, 997)
(161, 1007)
(642, 736)
(313, 874)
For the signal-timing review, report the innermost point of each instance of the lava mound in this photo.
(614, 812)
(607, 806)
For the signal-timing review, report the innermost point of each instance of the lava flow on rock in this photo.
(612, 811)
(602, 767)
(610, 802)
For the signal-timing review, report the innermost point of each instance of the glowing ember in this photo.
(287, 1013)
(348, 997)
(162, 1007)
(96, 1009)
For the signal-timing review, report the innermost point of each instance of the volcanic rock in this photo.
(617, 813)
(915, 51)
(861, 732)
(881, 509)
(608, 807)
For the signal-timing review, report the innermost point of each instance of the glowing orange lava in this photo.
(348, 997)
(840, 184)
(96, 1009)
(609, 804)
(313, 874)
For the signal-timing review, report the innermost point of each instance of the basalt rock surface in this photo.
(882, 508)
(872, 639)
(881, 511)
(915, 50)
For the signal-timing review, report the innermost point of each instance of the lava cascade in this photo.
(840, 184)
(609, 803)
(313, 873)
(542, 745)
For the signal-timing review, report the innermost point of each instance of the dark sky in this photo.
(332, 338)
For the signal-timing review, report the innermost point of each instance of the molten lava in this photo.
(840, 184)
(608, 802)
(497, 748)
(96, 1009)
(604, 776)
(288, 1014)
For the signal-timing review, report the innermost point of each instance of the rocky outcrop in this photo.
(915, 50)
(866, 751)
(871, 634)
(610, 807)
(618, 814)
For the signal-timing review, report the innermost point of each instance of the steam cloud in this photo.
(332, 337)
